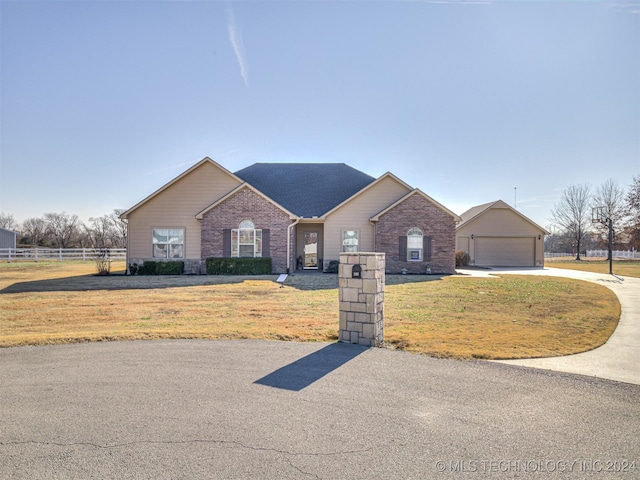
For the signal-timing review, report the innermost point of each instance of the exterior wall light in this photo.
(472, 236)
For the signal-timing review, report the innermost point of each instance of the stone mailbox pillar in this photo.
(361, 287)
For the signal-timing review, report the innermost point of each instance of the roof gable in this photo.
(244, 185)
(205, 160)
(366, 188)
(416, 191)
(476, 212)
(306, 189)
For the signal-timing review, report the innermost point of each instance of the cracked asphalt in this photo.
(194, 409)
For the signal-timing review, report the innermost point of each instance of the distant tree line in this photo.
(573, 216)
(64, 230)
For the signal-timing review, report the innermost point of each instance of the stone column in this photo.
(362, 298)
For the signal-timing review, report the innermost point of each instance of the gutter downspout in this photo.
(373, 224)
(289, 244)
(127, 272)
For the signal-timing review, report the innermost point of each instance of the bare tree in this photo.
(108, 231)
(7, 221)
(99, 231)
(64, 228)
(610, 196)
(633, 211)
(573, 213)
(33, 230)
(120, 226)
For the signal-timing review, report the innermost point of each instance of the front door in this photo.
(311, 250)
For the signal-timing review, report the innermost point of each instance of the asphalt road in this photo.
(255, 409)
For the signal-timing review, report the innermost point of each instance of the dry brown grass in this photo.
(497, 318)
(626, 268)
(511, 317)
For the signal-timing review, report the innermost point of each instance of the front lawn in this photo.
(496, 318)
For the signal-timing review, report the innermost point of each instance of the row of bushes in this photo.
(150, 267)
(239, 266)
(215, 266)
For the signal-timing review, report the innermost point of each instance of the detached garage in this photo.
(497, 235)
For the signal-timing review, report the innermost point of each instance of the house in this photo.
(7, 238)
(300, 215)
(495, 234)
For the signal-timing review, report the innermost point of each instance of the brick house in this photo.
(302, 216)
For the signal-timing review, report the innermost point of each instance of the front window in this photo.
(168, 243)
(349, 240)
(246, 241)
(414, 245)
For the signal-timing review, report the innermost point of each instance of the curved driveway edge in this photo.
(619, 358)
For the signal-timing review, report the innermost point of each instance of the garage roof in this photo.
(475, 212)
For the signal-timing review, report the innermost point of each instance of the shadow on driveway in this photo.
(308, 370)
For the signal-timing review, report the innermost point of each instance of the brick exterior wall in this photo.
(247, 205)
(416, 211)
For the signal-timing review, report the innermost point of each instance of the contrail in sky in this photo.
(238, 45)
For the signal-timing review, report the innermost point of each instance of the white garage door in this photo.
(505, 251)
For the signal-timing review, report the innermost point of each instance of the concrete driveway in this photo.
(189, 409)
(619, 358)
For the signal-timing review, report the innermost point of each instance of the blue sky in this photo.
(104, 102)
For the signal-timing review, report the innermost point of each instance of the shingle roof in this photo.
(474, 211)
(306, 189)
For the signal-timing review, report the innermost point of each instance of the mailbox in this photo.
(356, 271)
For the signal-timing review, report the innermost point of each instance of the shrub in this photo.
(239, 266)
(170, 268)
(103, 262)
(462, 258)
(333, 266)
(150, 267)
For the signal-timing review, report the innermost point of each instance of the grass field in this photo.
(457, 317)
(626, 268)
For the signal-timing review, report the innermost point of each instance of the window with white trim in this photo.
(414, 245)
(168, 243)
(350, 240)
(246, 240)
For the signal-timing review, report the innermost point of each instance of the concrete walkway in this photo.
(619, 358)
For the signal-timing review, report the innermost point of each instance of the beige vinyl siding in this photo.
(505, 223)
(462, 243)
(355, 215)
(176, 207)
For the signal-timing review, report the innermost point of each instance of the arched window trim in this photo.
(415, 247)
(246, 240)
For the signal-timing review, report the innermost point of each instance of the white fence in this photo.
(598, 253)
(59, 254)
(616, 253)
